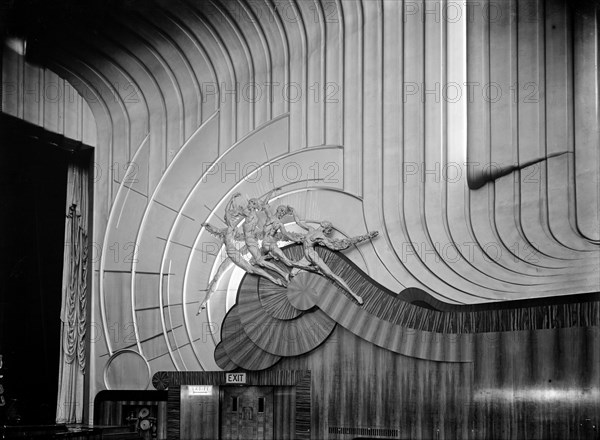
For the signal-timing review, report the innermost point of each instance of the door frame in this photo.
(173, 380)
(242, 388)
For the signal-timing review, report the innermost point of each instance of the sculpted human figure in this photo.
(321, 236)
(229, 236)
(274, 230)
(252, 230)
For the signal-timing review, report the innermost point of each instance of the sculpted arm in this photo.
(285, 235)
(365, 237)
(232, 210)
(299, 222)
(264, 200)
(336, 244)
(219, 233)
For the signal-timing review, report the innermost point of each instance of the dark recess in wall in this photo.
(33, 178)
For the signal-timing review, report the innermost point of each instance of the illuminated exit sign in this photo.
(235, 378)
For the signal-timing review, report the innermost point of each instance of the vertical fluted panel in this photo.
(39, 96)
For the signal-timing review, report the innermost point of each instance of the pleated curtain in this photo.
(70, 402)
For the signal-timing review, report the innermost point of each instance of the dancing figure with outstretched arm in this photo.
(321, 236)
(252, 229)
(229, 235)
(274, 231)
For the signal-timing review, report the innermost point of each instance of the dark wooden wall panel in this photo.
(524, 385)
(358, 385)
(174, 412)
(285, 413)
(537, 385)
(531, 384)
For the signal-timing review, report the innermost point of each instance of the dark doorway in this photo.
(246, 413)
(33, 179)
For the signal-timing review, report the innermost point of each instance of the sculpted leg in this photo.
(274, 268)
(213, 284)
(303, 264)
(278, 254)
(300, 264)
(325, 270)
(258, 259)
(263, 273)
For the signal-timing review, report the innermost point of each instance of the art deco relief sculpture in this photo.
(274, 231)
(321, 236)
(229, 236)
(261, 222)
(252, 231)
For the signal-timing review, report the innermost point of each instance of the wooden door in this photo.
(247, 413)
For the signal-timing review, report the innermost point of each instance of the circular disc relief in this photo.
(127, 370)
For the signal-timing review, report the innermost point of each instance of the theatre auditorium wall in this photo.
(467, 136)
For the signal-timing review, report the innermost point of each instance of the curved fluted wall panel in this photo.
(39, 96)
(470, 145)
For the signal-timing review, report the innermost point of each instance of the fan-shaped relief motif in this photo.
(410, 322)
